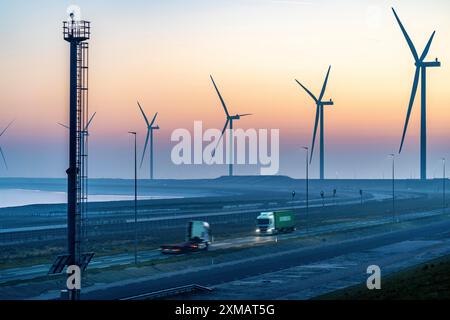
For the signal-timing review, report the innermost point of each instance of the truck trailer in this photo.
(275, 222)
(197, 239)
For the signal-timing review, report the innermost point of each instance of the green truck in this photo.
(275, 222)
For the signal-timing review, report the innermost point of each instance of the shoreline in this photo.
(94, 198)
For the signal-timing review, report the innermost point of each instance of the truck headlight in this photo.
(257, 230)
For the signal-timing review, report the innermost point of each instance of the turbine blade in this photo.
(309, 92)
(316, 123)
(4, 159)
(145, 117)
(223, 131)
(220, 97)
(408, 39)
(153, 120)
(245, 114)
(7, 127)
(89, 122)
(63, 125)
(145, 147)
(324, 84)
(411, 102)
(427, 48)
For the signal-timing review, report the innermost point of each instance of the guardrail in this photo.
(170, 292)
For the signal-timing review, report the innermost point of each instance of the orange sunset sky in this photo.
(162, 53)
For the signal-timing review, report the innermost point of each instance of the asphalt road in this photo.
(31, 272)
(24, 273)
(230, 271)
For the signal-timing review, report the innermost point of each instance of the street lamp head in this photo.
(132, 132)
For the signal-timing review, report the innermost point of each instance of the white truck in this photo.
(197, 239)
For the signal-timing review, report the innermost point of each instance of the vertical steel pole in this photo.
(72, 171)
(135, 199)
(135, 196)
(322, 148)
(75, 33)
(393, 188)
(307, 186)
(443, 186)
(151, 153)
(230, 168)
(307, 182)
(423, 127)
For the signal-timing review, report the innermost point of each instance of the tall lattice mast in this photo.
(77, 33)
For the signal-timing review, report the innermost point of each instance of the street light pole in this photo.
(307, 185)
(393, 186)
(135, 196)
(443, 186)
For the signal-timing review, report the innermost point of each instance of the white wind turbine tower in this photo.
(1, 150)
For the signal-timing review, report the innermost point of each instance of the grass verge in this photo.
(427, 281)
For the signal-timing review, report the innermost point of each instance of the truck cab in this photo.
(265, 223)
(198, 232)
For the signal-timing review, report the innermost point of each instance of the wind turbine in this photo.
(85, 128)
(1, 150)
(84, 133)
(421, 70)
(229, 121)
(319, 116)
(150, 128)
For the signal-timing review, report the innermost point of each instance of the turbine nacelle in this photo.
(238, 116)
(326, 103)
(153, 127)
(431, 64)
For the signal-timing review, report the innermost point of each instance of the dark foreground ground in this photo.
(427, 281)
